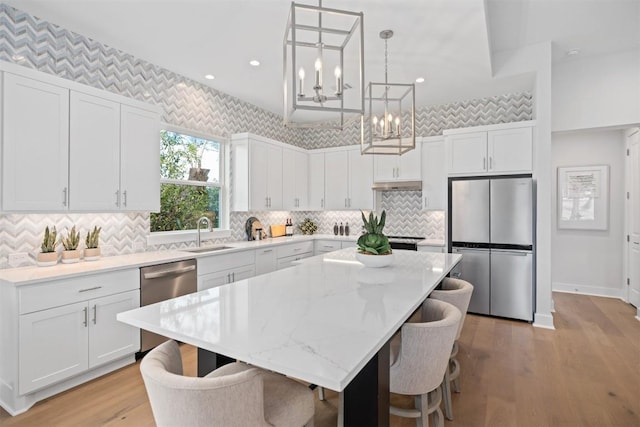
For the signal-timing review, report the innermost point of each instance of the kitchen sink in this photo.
(209, 249)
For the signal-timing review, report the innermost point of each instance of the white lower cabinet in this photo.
(266, 260)
(68, 327)
(324, 246)
(218, 270)
(288, 254)
(435, 249)
(74, 338)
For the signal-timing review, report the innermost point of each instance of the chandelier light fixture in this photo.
(323, 75)
(388, 125)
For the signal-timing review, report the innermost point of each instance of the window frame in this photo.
(223, 231)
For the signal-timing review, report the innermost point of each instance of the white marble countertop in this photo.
(431, 242)
(33, 274)
(320, 321)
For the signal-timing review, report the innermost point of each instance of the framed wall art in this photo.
(583, 197)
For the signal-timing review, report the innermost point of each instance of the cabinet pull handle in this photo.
(345, 203)
(233, 277)
(267, 251)
(90, 289)
(349, 201)
(322, 202)
(86, 317)
(124, 198)
(117, 197)
(490, 162)
(64, 196)
(95, 313)
(484, 163)
(170, 272)
(426, 202)
(297, 249)
(266, 202)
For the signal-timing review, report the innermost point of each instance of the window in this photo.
(191, 181)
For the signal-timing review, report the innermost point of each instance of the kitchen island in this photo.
(327, 321)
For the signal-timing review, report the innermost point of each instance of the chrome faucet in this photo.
(208, 221)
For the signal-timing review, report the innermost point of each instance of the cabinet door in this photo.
(109, 339)
(434, 178)
(212, 280)
(301, 179)
(316, 181)
(385, 168)
(274, 176)
(242, 273)
(258, 163)
(94, 153)
(139, 159)
(35, 162)
(289, 195)
(510, 150)
(324, 246)
(360, 180)
(295, 166)
(265, 260)
(52, 345)
(409, 164)
(467, 153)
(336, 179)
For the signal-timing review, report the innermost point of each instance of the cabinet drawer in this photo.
(294, 249)
(214, 263)
(322, 246)
(67, 291)
(285, 262)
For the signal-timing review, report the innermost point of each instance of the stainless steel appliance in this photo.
(162, 282)
(492, 226)
(404, 242)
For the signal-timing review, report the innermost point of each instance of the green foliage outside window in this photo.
(182, 204)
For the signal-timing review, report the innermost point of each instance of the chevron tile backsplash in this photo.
(188, 104)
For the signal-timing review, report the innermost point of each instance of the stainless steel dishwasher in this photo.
(162, 282)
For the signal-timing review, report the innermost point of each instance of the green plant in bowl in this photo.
(374, 242)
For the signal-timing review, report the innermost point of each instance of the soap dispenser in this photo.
(335, 229)
(341, 229)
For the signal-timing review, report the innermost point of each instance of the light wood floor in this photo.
(585, 373)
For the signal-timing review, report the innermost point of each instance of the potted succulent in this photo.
(71, 254)
(374, 249)
(92, 251)
(48, 256)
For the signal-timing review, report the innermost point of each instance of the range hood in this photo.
(397, 185)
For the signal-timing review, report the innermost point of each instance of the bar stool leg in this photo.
(446, 396)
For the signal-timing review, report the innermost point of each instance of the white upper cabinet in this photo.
(94, 153)
(35, 133)
(434, 176)
(139, 159)
(499, 150)
(257, 173)
(69, 147)
(295, 169)
(348, 178)
(360, 180)
(397, 168)
(316, 181)
(510, 150)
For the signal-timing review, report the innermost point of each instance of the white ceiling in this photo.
(445, 41)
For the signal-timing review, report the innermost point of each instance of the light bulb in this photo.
(337, 72)
(318, 64)
(375, 120)
(390, 118)
(397, 121)
(301, 73)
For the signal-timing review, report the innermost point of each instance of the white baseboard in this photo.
(541, 320)
(588, 290)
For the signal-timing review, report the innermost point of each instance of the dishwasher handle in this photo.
(165, 273)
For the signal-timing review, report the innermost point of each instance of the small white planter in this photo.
(70, 257)
(374, 261)
(47, 259)
(91, 254)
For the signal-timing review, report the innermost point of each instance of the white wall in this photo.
(590, 261)
(597, 91)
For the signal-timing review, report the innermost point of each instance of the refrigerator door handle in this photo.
(513, 251)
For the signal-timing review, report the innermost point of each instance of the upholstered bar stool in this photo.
(233, 395)
(457, 292)
(422, 360)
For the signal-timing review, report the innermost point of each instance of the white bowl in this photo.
(374, 261)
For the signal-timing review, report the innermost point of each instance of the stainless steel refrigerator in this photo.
(492, 224)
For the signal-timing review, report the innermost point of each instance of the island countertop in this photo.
(320, 321)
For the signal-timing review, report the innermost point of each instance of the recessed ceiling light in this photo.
(254, 62)
(209, 77)
(17, 57)
(420, 80)
(573, 52)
